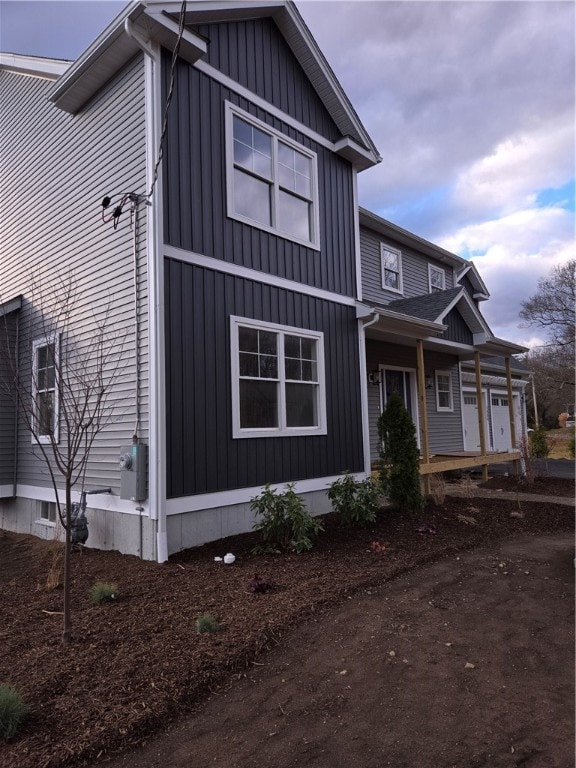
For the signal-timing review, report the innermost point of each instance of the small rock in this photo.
(448, 645)
(344, 672)
(468, 665)
(392, 653)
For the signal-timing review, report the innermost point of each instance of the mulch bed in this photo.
(541, 486)
(138, 663)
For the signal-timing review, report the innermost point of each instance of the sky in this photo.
(469, 102)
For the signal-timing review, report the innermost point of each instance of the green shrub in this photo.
(355, 502)
(285, 522)
(13, 710)
(103, 592)
(207, 623)
(539, 447)
(400, 458)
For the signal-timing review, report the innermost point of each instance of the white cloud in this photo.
(519, 167)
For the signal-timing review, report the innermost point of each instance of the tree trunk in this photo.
(66, 636)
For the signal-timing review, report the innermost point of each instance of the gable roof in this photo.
(471, 272)
(147, 21)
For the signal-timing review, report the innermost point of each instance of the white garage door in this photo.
(501, 421)
(471, 428)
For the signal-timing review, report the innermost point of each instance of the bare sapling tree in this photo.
(61, 380)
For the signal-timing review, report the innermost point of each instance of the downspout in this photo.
(155, 304)
(375, 317)
(17, 409)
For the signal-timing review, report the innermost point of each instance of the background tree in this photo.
(551, 308)
(61, 389)
(400, 458)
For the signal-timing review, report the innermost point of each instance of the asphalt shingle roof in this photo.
(427, 307)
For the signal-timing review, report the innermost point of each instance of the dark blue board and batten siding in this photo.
(195, 187)
(202, 456)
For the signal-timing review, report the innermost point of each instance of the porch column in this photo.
(422, 404)
(511, 410)
(481, 420)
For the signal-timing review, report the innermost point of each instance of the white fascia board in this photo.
(471, 307)
(34, 66)
(406, 323)
(490, 345)
(12, 305)
(352, 151)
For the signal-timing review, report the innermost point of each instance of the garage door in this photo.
(500, 423)
(471, 428)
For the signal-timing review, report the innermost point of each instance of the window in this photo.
(271, 180)
(391, 261)
(436, 278)
(278, 383)
(47, 511)
(444, 391)
(45, 355)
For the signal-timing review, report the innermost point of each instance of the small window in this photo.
(277, 380)
(436, 278)
(391, 265)
(444, 391)
(48, 512)
(271, 180)
(45, 362)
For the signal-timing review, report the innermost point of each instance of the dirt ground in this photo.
(356, 658)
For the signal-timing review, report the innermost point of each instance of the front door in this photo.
(403, 382)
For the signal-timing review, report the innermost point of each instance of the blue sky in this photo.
(470, 103)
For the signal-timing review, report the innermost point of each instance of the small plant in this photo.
(539, 447)
(467, 486)
(13, 710)
(103, 592)
(285, 522)
(437, 489)
(378, 547)
(354, 501)
(400, 459)
(206, 622)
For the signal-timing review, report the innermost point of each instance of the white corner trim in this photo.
(6, 491)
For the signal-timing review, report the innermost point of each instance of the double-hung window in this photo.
(391, 266)
(436, 278)
(444, 391)
(278, 385)
(272, 180)
(45, 358)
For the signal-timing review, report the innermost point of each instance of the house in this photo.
(251, 299)
(422, 316)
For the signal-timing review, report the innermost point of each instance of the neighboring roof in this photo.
(156, 21)
(34, 66)
(498, 363)
(470, 271)
(386, 228)
(13, 305)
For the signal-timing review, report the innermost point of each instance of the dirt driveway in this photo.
(400, 676)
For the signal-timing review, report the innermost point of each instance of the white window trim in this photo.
(231, 111)
(282, 430)
(400, 289)
(445, 409)
(433, 268)
(36, 345)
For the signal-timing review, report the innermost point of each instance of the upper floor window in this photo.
(444, 391)
(391, 261)
(272, 180)
(45, 357)
(436, 278)
(278, 386)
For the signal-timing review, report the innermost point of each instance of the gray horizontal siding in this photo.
(8, 402)
(56, 168)
(445, 429)
(195, 194)
(414, 270)
(202, 457)
(255, 54)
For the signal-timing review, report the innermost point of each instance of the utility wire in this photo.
(175, 53)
